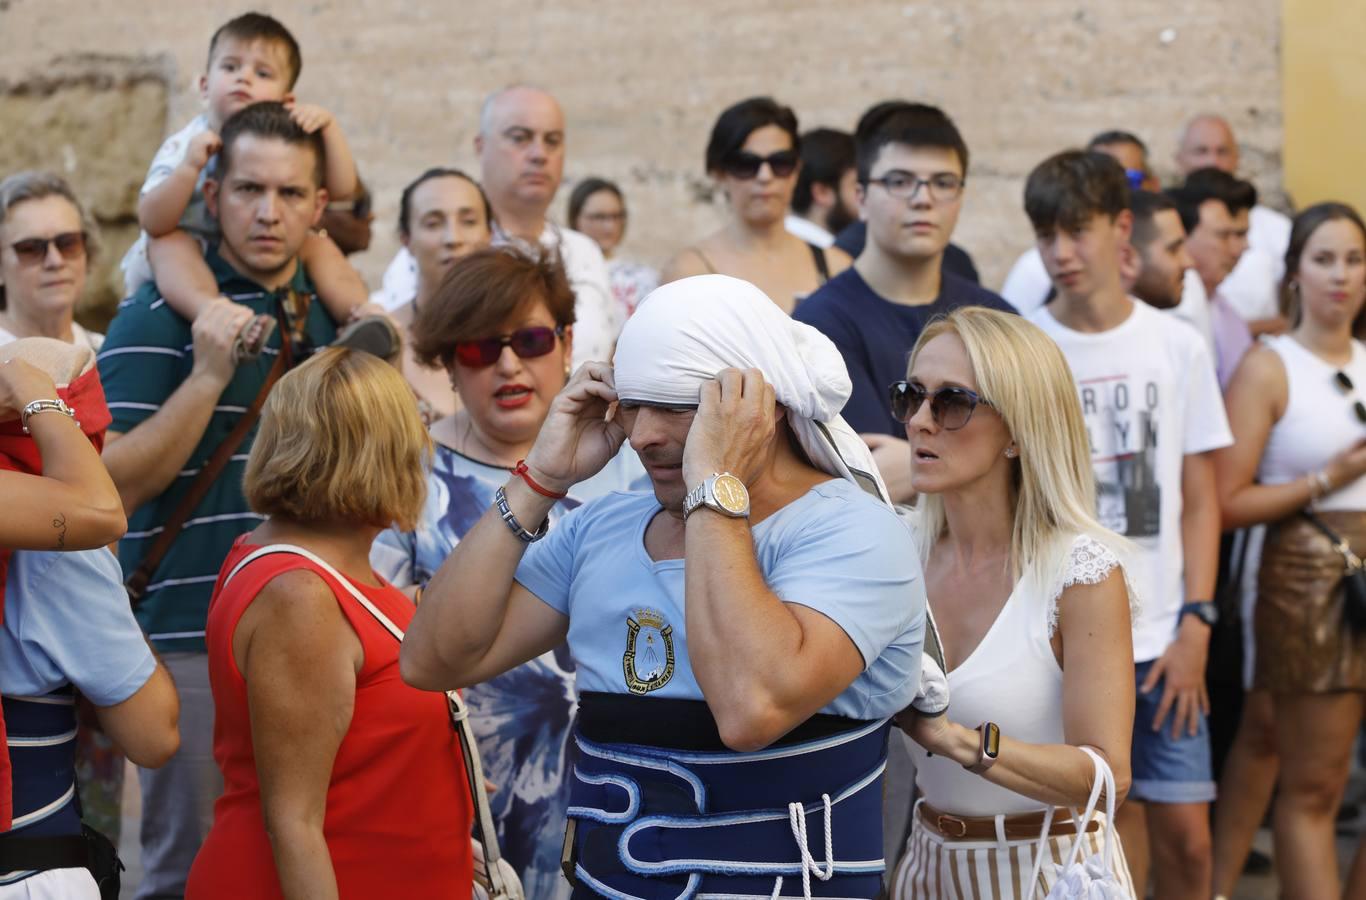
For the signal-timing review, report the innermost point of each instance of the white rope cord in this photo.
(796, 816)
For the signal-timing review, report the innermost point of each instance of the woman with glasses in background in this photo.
(752, 157)
(502, 326)
(1297, 407)
(598, 209)
(1033, 609)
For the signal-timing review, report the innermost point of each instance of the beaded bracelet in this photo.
(500, 500)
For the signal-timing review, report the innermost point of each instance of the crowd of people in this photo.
(728, 576)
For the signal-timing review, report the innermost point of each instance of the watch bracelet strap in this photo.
(984, 762)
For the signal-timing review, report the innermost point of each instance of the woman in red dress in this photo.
(339, 780)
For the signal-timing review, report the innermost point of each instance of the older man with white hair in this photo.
(521, 144)
(741, 635)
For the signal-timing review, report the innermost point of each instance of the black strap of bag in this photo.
(88, 850)
(1353, 574)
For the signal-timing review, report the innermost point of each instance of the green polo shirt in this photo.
(147, 354)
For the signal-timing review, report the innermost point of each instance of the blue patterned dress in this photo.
(522, 719)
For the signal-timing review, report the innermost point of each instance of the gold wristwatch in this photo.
(722, 492)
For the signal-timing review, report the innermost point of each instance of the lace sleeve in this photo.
(1088, 562)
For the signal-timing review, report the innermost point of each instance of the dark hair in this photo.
(484, 290)
(1211, 184)
(268, 119)
(1070, 188)
(254, 26)
(826, 155)
(1146, 205)
(1301, 230)
(734, 126)
(585, 189)
(405, 200)
(912, 124)
(1116, 136)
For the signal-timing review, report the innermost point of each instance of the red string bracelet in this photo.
(523, 471)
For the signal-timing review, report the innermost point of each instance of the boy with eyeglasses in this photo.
(1154, 413)
(912, 163)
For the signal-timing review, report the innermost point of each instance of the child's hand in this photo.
(309, 117)
(202, 148)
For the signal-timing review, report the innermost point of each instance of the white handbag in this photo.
(1084, 877)
(494, 877)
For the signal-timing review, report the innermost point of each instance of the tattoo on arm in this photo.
(59, 523)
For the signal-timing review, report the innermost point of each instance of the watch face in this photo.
(730, 493)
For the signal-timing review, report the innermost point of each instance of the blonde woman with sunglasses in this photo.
(1033, 609)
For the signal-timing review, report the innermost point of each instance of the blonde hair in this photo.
(340, 442)
(1024, 375)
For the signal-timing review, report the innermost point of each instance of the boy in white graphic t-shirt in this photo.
(1154, 412)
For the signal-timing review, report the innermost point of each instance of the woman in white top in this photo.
(598, 209)
(1297, 406)
(52, 241)
(1032, 606)
(443, 216)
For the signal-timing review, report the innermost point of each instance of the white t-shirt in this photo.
(1028, 285)
(1150, 397)
(597, 317)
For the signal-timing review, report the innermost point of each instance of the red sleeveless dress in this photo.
(398, 806)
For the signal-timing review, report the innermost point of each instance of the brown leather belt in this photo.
(1025, 826)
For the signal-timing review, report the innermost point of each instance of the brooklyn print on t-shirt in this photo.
(1122, 424)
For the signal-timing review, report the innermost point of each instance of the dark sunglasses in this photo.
(527, 343)
(1345, 384)
(745, 166)
(71, 244)
(951, 407)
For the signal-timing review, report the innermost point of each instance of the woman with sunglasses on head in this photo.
(443, 216)
(501, 325)
(753, 158)
(1297, 407)
(1032, 605)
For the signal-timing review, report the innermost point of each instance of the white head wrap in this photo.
(687, 331)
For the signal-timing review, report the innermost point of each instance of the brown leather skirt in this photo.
(1304, 645)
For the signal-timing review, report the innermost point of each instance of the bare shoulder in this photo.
(687, 262)
(1260, 379)
(297, 607)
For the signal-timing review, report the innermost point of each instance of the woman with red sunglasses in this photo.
(753, 159)
(502, 326)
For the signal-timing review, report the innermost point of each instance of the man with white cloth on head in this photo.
(741, 636)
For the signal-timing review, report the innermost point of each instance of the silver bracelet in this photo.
(1319, 480)
(500, 500)
(40, 406)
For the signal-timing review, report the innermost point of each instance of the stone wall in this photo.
(90, 87)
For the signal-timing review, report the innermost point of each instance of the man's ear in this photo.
(1124, 222)
(204, 88)
(319, 206)
(211, 188)
(823, 195)
(478, 144)
(861, 198)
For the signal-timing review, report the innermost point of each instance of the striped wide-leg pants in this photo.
(934, 867)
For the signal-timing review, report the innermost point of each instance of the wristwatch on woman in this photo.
(988, 748)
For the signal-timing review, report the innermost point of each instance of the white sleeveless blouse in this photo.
(1012, 679)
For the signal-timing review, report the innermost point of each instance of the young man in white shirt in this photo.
(1154, 412)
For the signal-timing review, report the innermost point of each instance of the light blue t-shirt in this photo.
(835, 550)
(67, 621)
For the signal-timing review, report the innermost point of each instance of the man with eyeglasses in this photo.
(1154, 415)
(521, 145)
(912, 163)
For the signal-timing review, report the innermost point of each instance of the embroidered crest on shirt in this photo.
(648, 662)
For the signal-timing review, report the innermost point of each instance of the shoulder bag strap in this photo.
(1350, 559)
(136, 583)
(459, 713)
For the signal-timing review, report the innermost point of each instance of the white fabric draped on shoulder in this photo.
(687, 331)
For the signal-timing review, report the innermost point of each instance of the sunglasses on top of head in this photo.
(31, 251)
(950, 407)
(527, 343)
(744, 165)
